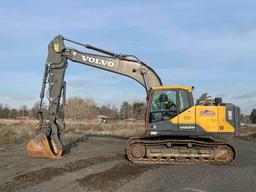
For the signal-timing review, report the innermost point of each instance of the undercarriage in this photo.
(179, 151)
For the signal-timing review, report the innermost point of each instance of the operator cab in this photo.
(165, 103)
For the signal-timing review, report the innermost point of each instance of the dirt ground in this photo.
(98, 163)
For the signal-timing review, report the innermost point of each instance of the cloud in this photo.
(246, 96)
(22, 97)
(17, 100)
(94, 77)
(38, 21)
(78, 83)
(26, 23)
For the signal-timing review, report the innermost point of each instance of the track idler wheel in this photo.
(138, 151)
(224, 155)
(41, 146)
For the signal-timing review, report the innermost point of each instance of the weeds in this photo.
(16, 131)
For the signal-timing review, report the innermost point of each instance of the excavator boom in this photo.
(48, 142)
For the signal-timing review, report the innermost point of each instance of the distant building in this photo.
(94, 118)
(103, 119)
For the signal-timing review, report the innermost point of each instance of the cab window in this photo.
(163, 106)
(184, 102)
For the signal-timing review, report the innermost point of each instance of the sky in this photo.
(210, 45)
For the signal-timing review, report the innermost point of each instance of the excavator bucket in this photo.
(41, 146)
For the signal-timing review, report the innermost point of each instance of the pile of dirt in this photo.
(252, 137)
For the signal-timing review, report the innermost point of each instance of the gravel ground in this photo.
(96, 163)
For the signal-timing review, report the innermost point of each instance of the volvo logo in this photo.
(98, 61)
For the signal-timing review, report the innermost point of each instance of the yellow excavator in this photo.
(177, 131)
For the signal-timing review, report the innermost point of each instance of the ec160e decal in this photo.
(207, 113)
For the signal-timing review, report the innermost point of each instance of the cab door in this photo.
(186, 117)
(163, 109)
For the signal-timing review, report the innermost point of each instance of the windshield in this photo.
(163, 105)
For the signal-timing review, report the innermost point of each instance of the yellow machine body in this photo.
(208, 118)
(171, 111)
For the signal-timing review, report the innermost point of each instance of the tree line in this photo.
(11, 113)
(253, 116)
(78, 109)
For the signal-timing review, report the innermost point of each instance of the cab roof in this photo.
(187, 88)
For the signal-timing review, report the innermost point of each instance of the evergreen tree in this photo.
(253, 116)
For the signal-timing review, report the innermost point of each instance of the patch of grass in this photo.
(16, 131)
(116, 129)
(7, 136)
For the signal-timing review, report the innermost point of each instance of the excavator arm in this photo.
(48, 142)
